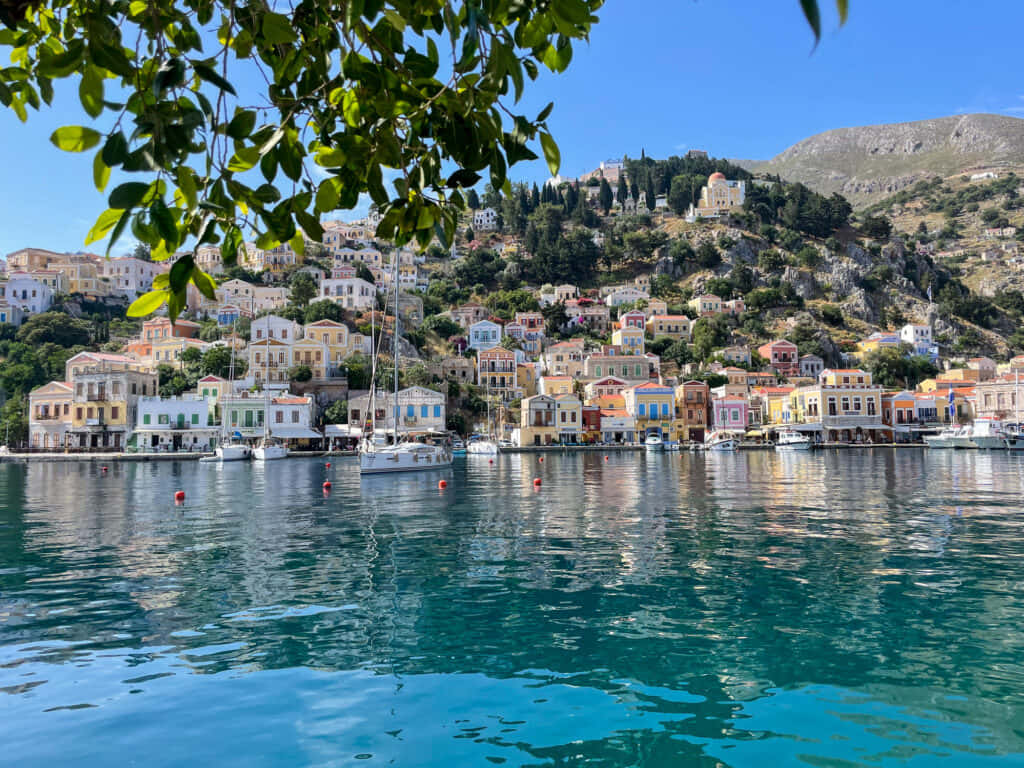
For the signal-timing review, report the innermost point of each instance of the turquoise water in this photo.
(830, 609)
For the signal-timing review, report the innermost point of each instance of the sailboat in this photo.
(408, 456)
(484, 446)
(268, 448)
(1015, 433)
(236, 449)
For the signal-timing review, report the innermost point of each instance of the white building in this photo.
(274, 327)
(485, 220)
(130, 276)
(484, 334)
(176, 423)
(916, 334)
(351, 293)
(419, 410)
(245, 415)
(24, 291)
(10, 313)
(625, 295)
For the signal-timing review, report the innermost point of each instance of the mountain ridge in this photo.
(866, 163)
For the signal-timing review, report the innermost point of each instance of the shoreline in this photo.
(24, 458)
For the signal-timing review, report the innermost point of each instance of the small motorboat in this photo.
(945, 439)
(791, 440)
(458, 446)
(653, 442)
(482, 447)
(720, 440)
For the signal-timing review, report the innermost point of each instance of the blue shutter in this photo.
(437, 411)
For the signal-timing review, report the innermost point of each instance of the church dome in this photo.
(716, 176)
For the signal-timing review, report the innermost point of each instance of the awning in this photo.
(294, 433)
(343, 430)
(163, 430)
(754, 433)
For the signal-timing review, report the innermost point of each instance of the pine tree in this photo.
(622, 192)
(651, 198)
(605, 196)
(634, 190)
(534, 197)
(473, 200)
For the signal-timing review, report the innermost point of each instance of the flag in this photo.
(929, 293)
(952, 407)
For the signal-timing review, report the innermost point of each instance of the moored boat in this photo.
(653, 442)
(720, 440)
(791, 440)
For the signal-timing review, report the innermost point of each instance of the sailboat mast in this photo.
(395, 278)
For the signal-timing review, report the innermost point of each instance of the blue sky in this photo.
(735, 77)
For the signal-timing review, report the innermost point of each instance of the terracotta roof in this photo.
(614, 412)
(289, 401)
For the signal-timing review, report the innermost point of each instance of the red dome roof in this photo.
(715, 176)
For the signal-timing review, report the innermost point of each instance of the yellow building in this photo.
(631, 340)
(106, 390)
(526, 378)
(556, 385)
(705, 305)
(844, 407)
(537, 420)
(674, 326)
(653, 407)
(717, 197)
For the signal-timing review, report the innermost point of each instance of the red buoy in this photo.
(536, 482)
(442, 484)
(179, 496)
(606, 458)
(490, 461)
(104, 468)
(328, 465)
(327, 485)
(541, 459)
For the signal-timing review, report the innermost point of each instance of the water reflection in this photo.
(857, 606)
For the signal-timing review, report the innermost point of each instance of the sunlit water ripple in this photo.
(831, 609)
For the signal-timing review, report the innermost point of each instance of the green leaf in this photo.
(209, 75)
(181, 271)
(277, 29)
(90, 91)
(187, 185)
(165, 224)
(545, 112)
(463, 178)
(100, 172)
(115, 151)
(204, 283)
(75, 138)
(121, 223)
(229, 248)
(147, 304)
(162, 280)
(241, 124)
(103, 224)
(244, 159)
(137, 7)
(128, 195)
(551, 153)
(844, 8)
(112, 58)
(813, 16)
(327, 195)
(350, 108)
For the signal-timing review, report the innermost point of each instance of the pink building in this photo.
(633, 319)
(730, 413)
(781, 355)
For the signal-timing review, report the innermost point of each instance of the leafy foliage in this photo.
(202, 164)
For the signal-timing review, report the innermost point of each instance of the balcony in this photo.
(46, 417)
(95, 422)
(96, 397)
(848, 421)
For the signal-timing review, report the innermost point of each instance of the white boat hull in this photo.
(934, 441)
(722, 446)
(270, 452)
(990, 442)
(234, 453)
(1015, 443)
(482, 448)
(404, 459)
(963, 442)
(787, 447)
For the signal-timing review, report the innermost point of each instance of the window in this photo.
(146, 418)
(114, 410)
(88, 413)
(67, 408)
(856, 404)
(573, 419)
(641, 409)
(831, 406)
(871, 407)
(410, 411)
(437, 411)
(162, 418)
(846, 404)
(424, 411)
(597, 370)
(195, 418)
(354, 415)
(295, 417)
(664, 409)
(78, 413)
(735, 415)
(637, 370)
(563, 417)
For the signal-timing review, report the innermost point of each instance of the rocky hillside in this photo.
(868, 163)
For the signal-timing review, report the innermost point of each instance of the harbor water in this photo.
(835, 608)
